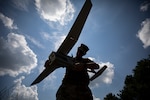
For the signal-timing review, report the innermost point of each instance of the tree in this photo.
(110, 96)
(137, 86)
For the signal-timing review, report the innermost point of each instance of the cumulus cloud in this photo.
(95, 98)
(106, 76)
(8, 22)
(15, 55)
(144, 33)
(55, 38)
(21, 92)
(21, 4)
(55, 10)
(144, 7)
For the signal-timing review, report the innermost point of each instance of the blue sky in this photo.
(116, 31)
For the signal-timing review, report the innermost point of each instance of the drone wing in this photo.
(44, 74)
(76, 29)
(70, 40)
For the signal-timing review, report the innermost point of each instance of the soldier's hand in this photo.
(79, 66)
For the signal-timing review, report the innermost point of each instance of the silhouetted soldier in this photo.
(75, 83)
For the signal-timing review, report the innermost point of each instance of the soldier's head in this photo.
(82, 50)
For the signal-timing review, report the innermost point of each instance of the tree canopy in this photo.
(136, 85)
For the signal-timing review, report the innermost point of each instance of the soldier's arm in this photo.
(91, 64)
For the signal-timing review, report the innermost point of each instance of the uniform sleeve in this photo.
(91, 64)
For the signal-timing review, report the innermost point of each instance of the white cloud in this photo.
(15, 55)
(21, 4)
(144, 6)
(46, 36)
(21, 92)
(144, 33)
(106, 76)
(95, 98)
(55, 10)
(8, 22)
(55, 38)
(35, 42)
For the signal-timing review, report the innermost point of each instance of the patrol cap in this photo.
(83, 48)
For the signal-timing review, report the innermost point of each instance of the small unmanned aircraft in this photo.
(60, 58)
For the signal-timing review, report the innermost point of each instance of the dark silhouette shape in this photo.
(60, 58)
(75, 83)
(137, 85)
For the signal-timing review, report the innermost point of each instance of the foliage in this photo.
(110, 96)
(137, 86)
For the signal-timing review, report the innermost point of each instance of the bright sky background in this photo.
(116, 31)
